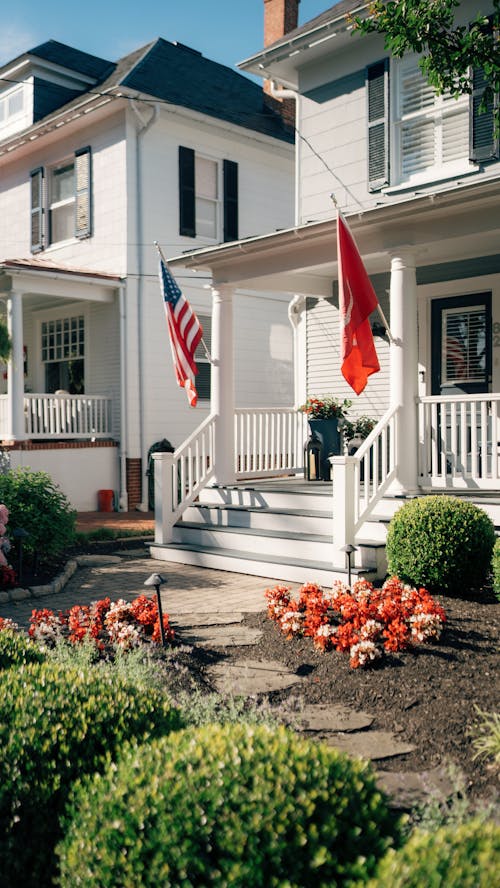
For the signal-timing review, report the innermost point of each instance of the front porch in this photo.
(271, 522)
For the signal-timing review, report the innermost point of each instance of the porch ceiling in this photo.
(439, 227)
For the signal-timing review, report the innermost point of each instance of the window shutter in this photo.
(203, 379)
(483, 140)
(377, 88)
(83, 193)
(187, 221)
(37, 182)
(230, 200)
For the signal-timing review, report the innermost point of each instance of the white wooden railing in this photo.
(360, 481)
(269, 441)
(62, 416)
(459, 438)
(180, 476)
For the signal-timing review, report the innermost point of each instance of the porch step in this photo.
(258, 517)
(276, 567)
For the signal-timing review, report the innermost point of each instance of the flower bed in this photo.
(363, 621)
(107, 622)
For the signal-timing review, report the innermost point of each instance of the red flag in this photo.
(185, 333)
(357, 300)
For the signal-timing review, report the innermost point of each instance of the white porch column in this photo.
(222, 383)
(15, 369)
(404, 368)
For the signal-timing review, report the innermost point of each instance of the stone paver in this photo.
(410, 788)
(369, 744)
(331, 717)
(220, 636)
(248, 677)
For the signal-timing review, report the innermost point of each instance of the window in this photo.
(461, 344)
(66, 202)
(202, 380)
(63, 353)
(433, 136)
(208, 196)
(11, 104)
(431, 132)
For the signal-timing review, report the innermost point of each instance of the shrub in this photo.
(57, 724)
(442, 543)
(16, 648)
(486, 737)
(233, 805)
(467, 856)
(495, 568)
(37, 505)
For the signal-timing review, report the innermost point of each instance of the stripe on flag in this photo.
(185, 333)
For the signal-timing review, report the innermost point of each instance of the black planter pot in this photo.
(327, 432)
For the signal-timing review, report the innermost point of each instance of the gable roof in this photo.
(169, 72)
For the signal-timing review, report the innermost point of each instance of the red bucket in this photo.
(105, 500)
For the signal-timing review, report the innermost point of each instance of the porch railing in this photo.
(459, 438)
(360, 481)
(62, 416)
(269, 441)
(180, 476)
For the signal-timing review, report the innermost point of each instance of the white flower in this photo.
(371, 630)
(424, 626)
(291, 622)
(364, 652)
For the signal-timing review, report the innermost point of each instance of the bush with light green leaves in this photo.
(233, 805)
(465, 856)
(56, 725)
(16, 648)
(441, 542)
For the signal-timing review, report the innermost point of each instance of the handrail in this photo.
(180, 476)
(268, 441)
(375, 466)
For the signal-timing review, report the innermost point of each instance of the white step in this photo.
(313, 547)
(261, 518)
(315, 496)
(288, 569)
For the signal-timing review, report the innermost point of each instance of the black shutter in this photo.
(483, 139)
(187, 220)
(377, 90)
(83, 193)
(230, 200)
(37, 215)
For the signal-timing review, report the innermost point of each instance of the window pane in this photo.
(418, 144)
(16, 102)
(206, 178)
(416, 93)
(62, 223)
(464, 345)
(63, 185)
(455, 135)
(206, 218)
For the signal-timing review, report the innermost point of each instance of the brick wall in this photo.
(134, 482)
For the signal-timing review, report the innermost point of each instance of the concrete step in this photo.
(255, 564)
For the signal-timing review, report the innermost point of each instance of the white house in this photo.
(418, 178)
(98, 160)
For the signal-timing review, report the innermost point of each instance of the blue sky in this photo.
(226, 31)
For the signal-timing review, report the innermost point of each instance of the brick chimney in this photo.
(280, 17)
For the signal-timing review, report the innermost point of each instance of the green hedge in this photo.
(441, 542)
(495, 568)
(57, 724)
(465, 856)
(16, 648)
(232, 805)
(39, 506)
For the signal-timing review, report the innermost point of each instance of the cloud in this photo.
(14, 40)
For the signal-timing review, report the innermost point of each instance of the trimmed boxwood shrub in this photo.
(57, 724)
(495, 568)
(441, 542)
(465, 856)
(39, 506)
(16, 648)
(234, 805)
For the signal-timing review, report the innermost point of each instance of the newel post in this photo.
(164, 497)
(344, 517)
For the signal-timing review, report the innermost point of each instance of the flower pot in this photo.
(327, 432)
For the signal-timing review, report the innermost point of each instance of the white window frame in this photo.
(77, 309)
(441, 108)
(69, 201)
(217, 201)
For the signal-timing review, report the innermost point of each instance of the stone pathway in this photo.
(206, 608)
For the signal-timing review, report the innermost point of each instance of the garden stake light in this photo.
(349, 549)
(157, 581)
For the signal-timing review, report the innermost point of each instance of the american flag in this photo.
(185, 333)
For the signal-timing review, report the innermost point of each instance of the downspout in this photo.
(123, 499)
(142, 129)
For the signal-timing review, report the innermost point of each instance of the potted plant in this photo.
(356, 430)
(325, 416)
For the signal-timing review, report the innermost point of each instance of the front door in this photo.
(461, 345)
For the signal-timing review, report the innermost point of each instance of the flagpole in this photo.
(163, 259)
(379, 308)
